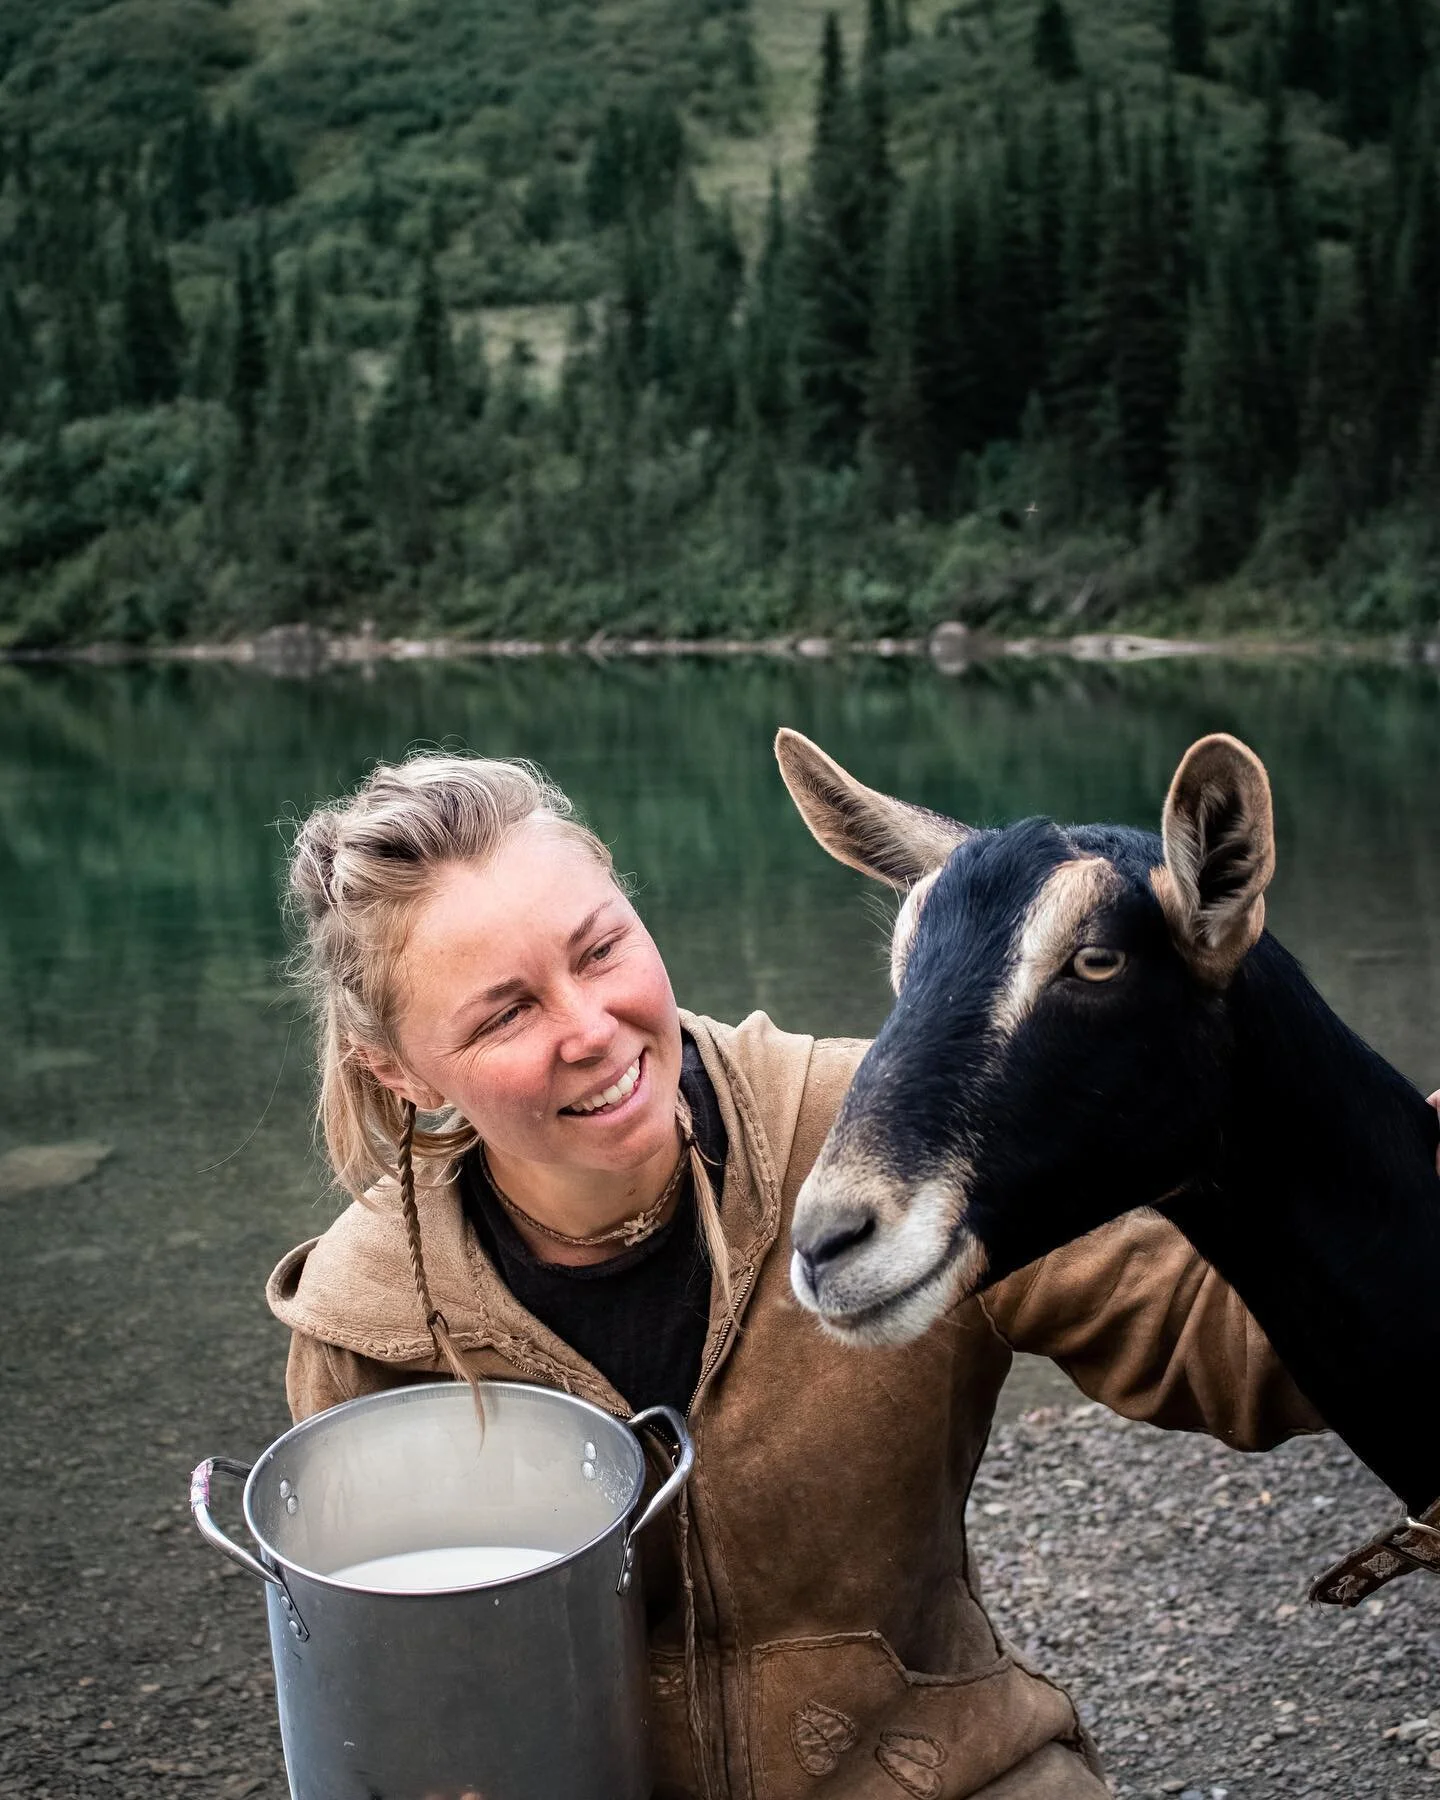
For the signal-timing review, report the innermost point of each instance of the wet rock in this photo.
(295, 650)
(952, 647)
(35, 1166)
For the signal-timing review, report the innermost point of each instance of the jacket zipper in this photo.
(715, 1356)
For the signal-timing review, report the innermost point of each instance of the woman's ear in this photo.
(400, 1081)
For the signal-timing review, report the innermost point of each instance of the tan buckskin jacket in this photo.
(841, 1647)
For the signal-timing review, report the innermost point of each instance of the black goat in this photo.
(1091, 1019)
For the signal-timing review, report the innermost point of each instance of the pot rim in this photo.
(413, 1391)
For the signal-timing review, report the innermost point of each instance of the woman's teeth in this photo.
(610, 1096)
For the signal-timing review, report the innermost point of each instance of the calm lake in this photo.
(148, 1028)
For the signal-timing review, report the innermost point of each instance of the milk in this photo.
(430, 1571)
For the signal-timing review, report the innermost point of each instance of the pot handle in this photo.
(210, 1531)
(675, 1429)
(212, 1534)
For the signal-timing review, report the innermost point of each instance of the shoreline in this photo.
(952, 648)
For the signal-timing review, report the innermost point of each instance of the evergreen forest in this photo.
(538, 319)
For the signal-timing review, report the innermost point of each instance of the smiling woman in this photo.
(598, 1196)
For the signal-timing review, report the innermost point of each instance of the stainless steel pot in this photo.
(529, 1688)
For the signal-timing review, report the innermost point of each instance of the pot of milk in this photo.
(456, 1616)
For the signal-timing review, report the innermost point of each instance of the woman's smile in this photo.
(612, 1100)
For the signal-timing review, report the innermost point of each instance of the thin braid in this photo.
(707, 1205)
(412, 1212)
(435, 1322)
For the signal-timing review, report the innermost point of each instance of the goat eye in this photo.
(1096, 963)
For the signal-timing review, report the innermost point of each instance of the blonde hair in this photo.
(358, 868)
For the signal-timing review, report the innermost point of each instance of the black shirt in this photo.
(640, 1318)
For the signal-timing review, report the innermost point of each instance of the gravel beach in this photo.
(1160, 1577)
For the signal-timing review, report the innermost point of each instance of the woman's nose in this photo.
(589, 1028)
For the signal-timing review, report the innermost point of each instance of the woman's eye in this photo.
(501, 1020)
(601, 951)
(1095, 963)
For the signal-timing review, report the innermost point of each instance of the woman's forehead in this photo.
(532, 896)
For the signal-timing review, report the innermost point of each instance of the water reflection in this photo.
(138, 854)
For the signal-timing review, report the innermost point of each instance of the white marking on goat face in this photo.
(907, 922)
(1050, 934)
(913, 1266)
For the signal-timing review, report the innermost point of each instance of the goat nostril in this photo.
(836, 1243)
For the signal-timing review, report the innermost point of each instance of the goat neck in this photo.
(1325, 1218)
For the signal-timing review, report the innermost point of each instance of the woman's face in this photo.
(535, 1001)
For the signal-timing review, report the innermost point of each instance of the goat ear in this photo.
(1219, 855)
(888, 839)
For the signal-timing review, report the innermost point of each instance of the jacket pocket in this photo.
(842, 1718)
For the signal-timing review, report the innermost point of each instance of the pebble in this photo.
(1172, 1607)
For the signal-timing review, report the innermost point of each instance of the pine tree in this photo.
(1052, 44)
(249, 356)
(1189, 38)
(1145, 332)
(232, 179)
(896, 411)
(1217, 476)
(877, 176)
(1176, 205)
(1414, 311)
(1051, 208)
(429, 340)
(1336, 483)
(1271, 244)
(17, 361)
(877, 172)
(767, 339)
(378, 215)
(208, 377)
(78, 358)
(192, 172)
(304, 305)
(944, 260)
(263, 264)
(289, 407)
(1426, 486)
(1309, 51)
(472, 371)
(340, 474)
(1370, 84)
(1007, 316)
(606, 170)
(152, 336)
(834, 268)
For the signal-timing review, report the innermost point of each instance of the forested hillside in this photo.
(474, 316)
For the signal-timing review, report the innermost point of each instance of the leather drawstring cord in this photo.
(694, 1714)
(435, 1322)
